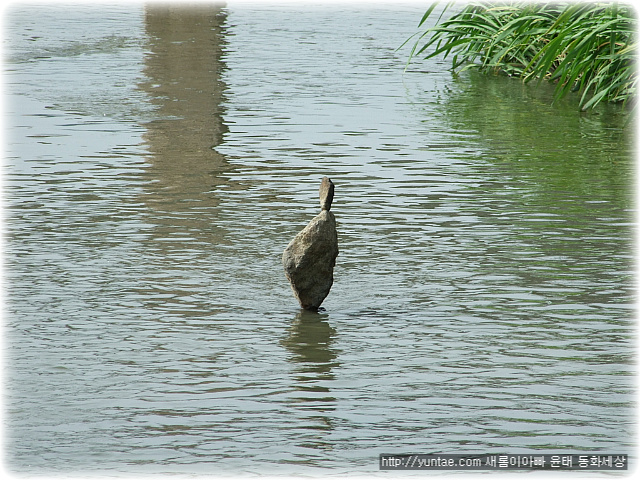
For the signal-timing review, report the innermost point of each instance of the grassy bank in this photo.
(586, 48)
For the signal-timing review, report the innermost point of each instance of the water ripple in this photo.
(483, 293)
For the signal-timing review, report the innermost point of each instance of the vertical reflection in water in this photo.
(183, 68)
(309, 342)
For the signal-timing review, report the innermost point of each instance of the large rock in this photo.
(310, 257)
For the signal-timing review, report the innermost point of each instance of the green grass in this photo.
(588, 48)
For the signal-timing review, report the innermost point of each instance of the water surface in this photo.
(158, 161)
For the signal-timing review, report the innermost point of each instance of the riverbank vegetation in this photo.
(588, 48)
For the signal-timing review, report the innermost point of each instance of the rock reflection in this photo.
(309, 342)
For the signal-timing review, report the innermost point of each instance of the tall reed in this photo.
(583, 47)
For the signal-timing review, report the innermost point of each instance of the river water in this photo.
(159, 159)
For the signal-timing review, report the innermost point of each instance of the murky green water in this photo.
(159, 160)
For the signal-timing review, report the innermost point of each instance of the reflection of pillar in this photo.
(183, 78)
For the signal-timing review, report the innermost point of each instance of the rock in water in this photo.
(310, 257)
(326, 193)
